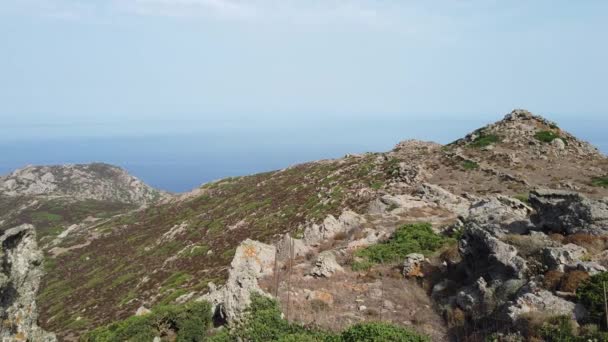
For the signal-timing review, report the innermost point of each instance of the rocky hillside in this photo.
(420, 236)
(95, 181)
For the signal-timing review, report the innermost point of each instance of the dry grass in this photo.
(593, 244)
(572, 280)
(553, 280)
(382, 290)
(527, 245)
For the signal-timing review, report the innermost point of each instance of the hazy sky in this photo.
(136, 62)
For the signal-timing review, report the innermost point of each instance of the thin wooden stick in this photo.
(605, 303)
(276, 275)
(291, 246)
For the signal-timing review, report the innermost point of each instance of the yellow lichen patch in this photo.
(250, 251)
(415, 271)
(20, 336)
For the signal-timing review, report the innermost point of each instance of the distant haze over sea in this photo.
(181, 156)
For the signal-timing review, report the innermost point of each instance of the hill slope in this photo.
(105, 271)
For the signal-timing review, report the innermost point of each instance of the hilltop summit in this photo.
(526, 132)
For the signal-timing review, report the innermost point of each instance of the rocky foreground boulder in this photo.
(20, 272)
(569, 212)
(252, 260)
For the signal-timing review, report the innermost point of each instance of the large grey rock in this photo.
(330, 227)
(475, 298)
(481, 250)
(569, 212)
(501, 215)
(444, 199)
(590, 267)
(532, 298)
(289, 246)
(20, 273)
(251, 261)
(396, 204)
(558, 257)
(326, 265)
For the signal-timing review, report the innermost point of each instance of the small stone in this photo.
(558, 143)
(142, 310)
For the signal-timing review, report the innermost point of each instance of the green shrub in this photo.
(591, 294)
(362, 265)
(484, 140)
(564, 329)
(470, 165)
(600, 181)
(411, 238)
(189, 322)
(264, 322)
(523, 197)
(546, 136)
(380, 332)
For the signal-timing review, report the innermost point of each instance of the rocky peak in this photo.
(528, 136)
(522, 115)
(79, 181)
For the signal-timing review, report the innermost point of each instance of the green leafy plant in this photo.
(470, 165)
(264, 322)
(546, 136)
(485, 140)
(189, 322)
(564, 329)
(591, 294)
(600, 181)
(380, 332)
(411, 238)
(525, 197)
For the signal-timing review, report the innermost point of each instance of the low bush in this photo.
(485, 140)
(546, 136)
(572, 280)
(600, 181)
(524, 197)
(262, 322)
(591, 294)
(592, 243)
(564, 329)
(470, 165)
(552, 280)
(411, 238)
(379, 332)
(188, 323)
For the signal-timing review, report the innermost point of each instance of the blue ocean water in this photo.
(182, 158)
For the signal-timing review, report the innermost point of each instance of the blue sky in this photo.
(120, 65)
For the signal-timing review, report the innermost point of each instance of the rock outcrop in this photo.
(326, 265)
(252, 260)
(569, 212)
(532, 298)
(481, 250)
(557, 258)
(501, 215)
(20, 272)
(444, 199)
(81, 181)
(330, 227)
